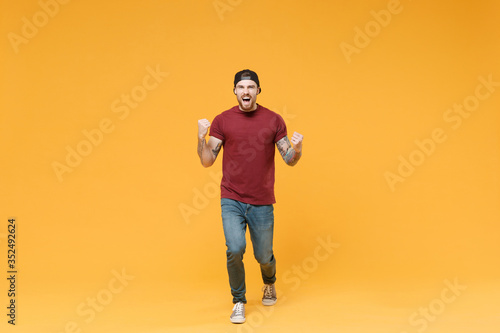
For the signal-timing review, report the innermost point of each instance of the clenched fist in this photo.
(297, 141)
(203, 125)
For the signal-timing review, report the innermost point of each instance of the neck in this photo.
(251, 110)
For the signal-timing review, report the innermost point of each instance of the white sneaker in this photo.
(238, 315)
(269, 297)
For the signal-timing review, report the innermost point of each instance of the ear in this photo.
(258, 92)
(234, 91)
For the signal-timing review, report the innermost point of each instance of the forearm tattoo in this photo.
(204, 151)
(290, 156)
(201, 146)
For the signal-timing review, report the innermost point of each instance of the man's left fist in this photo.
(297, 141)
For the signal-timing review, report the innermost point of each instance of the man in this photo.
(248, 133)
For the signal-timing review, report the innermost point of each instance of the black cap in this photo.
(246, 74)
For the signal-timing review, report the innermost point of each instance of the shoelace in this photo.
(268, 291)
(238, 309)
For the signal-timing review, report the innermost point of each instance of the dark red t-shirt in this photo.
(248, 159)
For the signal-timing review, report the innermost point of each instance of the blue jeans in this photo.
(260, 220)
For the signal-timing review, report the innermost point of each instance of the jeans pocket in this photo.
(263, 217)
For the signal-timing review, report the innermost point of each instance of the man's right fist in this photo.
(203, 125)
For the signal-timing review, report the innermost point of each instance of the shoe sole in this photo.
(268, 302)
(238, 321)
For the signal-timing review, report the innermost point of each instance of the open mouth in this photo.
(246, 99)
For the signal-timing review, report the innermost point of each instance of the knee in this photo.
(264, 258)
(236, 251)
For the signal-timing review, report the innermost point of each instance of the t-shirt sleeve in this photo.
(216, 128)
(280, 129)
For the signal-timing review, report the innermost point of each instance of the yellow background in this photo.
(121, 209)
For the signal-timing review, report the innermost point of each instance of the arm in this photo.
(207, 151)
(291, 155)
